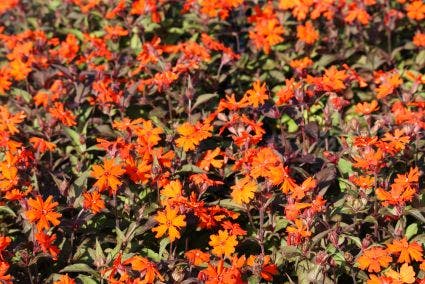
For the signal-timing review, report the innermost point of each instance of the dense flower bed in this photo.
(212, 141)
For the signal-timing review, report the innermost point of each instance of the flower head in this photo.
(93, 201)
(170, 221)
(107, 175)
(407, 251)
(42, 212)
(223, 243)
(374, 259)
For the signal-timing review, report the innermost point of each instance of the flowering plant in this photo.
(212, 141)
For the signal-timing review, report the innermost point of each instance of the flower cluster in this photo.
(212, 141)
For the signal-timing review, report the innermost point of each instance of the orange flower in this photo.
(402, 190)
(69, 48)
(223, 243)
(9, 177)
(105, 94)
(203, 181)
(138, 171)
(266, 34)
(356, 13)
(209, 159)
(42, 145)
(244, 189)
(266, 31)
(373, 259)
(307, 33)
(364, 182)
(406, 275)
(9, 121)
(287, 92)
(4, 267)
(149, 53)
(288, 182)
(370, 161)
(333, 80)
(408, 252)
(5, 80)
(191, 135)
(213, 44)
(65, 116)
(300, 64)
(197, 257)
(6, 5)
(46, 243)
(230, 103)
(116, 268)
(355, 76)
(143, 7)
(396, 196)
(44, 98)
(164, 79)
(268, 270)
(16, 194)
(93, 201)
(418, 40)
(292, 211)
(337, 102)
(172, 190)
(148, 135)
(369, 2)
(127, 124)
(86, 5)
(364, 141)
(373, 279)
(19, 70)
(4, 243)
(297, 233)
(257, 95)
(219, 274)
(389, 82)
(120, 6)
(169, 221)
(22, 51)
(299, 8)
(233, 228)
(409, 179)
(42, 212)
(65, 279)
(107, 176)
(366, 108)
(246, 132)
(114, 32)
(299, 192)
(398, 140)
(416, 10)
(266, 163)
(145, 267)
(214, 8)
